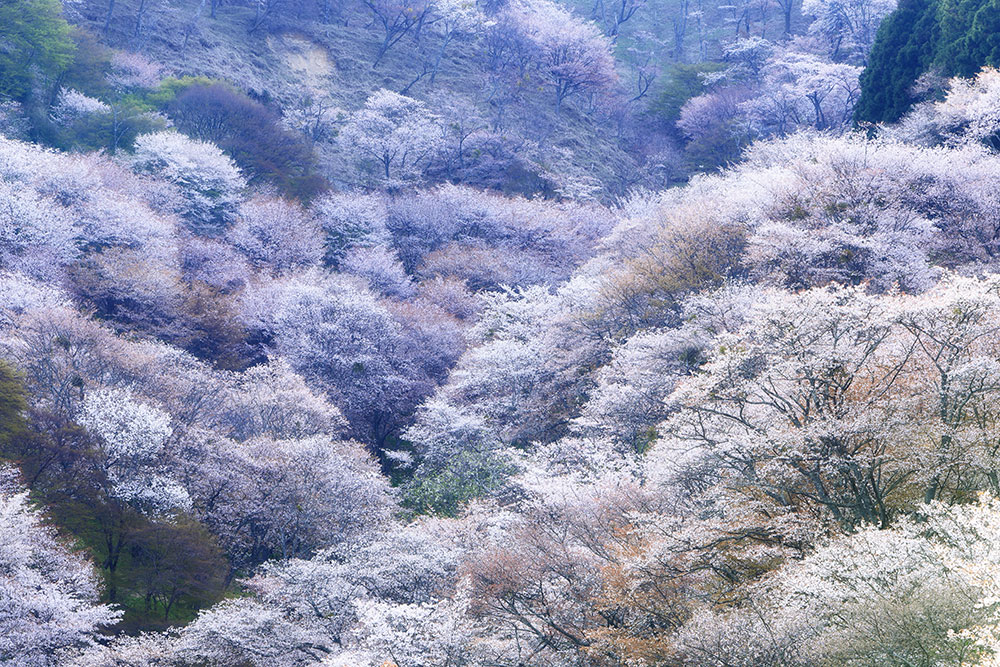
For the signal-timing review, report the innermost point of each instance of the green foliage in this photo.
(714, 149)
(88, 74)
(468, 475)
(12, 404)
(35, 44)
(111, 131)
(176, 569)
(91, 62)
(969, 35)
(171, 87)
(958, 36)
(161, 570)
(904, 49)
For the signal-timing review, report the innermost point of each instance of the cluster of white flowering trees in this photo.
(770, 90)
(529, 48)
(746, 479)
(48, 594)
(393, 132)
(751, 421)
(209, 181)
(217, 455)
(777, 88)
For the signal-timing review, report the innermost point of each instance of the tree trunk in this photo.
(107, 20)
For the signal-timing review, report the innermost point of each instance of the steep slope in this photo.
(301, 63)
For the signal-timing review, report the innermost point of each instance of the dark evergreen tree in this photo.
(969, 35)
(904, 49)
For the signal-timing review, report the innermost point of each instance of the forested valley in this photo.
(499, 333)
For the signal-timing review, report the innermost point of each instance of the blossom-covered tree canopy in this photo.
(496, 333)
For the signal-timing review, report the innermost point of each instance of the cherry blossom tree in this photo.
(350, 221)
(37, 235)
(72, 106)
(909, 220)
(802, 90)
(209, 181)
(271, 400)
(849, 26)
(572, 55)
(48, 594)
(382, 270)
(435, 633)
(791, 414)
(393, 134)
(503, 371)
(303, 611)
(337, 335)
(489, 240)
(953, 330)
(288, 498)
(276, 233)
(456, 19)
(967, 115)
(134, 436)
(247, 632)
(145, 650)
(459, 457)
(132, 70)
(630, 398)
(888, 587)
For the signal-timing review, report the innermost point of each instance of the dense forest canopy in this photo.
(499, 333)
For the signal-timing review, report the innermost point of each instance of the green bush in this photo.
(468, 475)
(12, 405)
